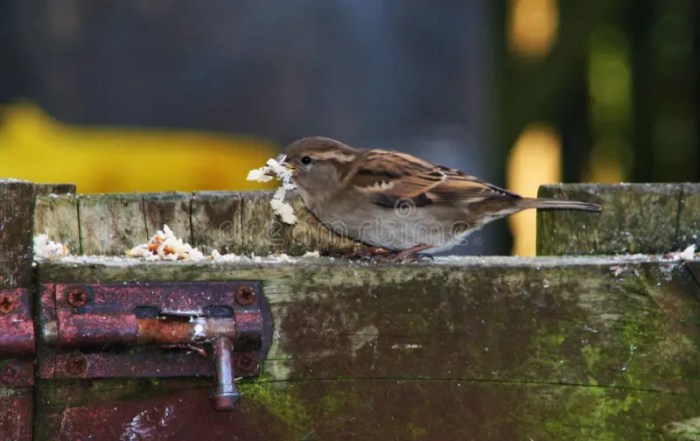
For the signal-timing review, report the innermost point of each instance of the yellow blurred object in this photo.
(604, 165)
(535, 160)
(532, 26)
(36, 147)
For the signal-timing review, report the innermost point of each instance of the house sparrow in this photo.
(396, 201)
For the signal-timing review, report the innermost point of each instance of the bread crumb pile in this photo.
(278, 204)
(164, 245)
(48, 249)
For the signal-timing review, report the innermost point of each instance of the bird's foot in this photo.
(413, 253)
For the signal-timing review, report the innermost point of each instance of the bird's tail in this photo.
(555, 204)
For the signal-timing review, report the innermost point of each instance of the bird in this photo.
(400, 204)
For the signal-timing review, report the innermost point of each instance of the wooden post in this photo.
(16, 229)
(636, 218)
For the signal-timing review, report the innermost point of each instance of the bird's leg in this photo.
(373, 252)
(409, 253)
(383, 254)
(377, 251)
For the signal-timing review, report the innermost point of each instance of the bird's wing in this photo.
(388, 177)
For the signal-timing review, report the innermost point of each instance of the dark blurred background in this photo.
(149, 95)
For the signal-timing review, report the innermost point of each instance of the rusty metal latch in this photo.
(155, 330)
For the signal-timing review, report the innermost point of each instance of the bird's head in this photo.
(318, 165)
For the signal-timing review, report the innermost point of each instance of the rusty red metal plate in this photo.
(95, 327)
(17, 343)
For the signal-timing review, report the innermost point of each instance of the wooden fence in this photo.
(563, 346)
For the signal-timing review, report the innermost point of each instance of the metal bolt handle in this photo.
(225, 395)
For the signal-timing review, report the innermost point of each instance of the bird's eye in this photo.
(306, 160)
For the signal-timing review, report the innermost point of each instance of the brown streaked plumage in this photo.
(396, 201)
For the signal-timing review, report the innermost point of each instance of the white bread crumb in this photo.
(48, 249)
(278, 204)
(164, 245)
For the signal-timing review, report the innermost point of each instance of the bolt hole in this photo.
(7, 304)
(245, 296)
(9, 374)
(77, 298)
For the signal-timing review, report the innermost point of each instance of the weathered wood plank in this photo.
(581, 348)
(216, 221)
(636, 218)
(366, 409)
(57, 189)
(689, 217)
(16, 229)
(56, 215)
(172, 209)
(229, 222)
(263, 232)
(111, 224)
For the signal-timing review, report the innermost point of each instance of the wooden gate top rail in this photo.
(229, 222)
(636, 218)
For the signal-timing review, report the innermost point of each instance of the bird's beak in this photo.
(282, 160)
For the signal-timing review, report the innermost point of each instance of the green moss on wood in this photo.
(687, 430)
(281, 403)
(636, 218)
(573, 348)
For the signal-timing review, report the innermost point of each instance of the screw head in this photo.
(77, 297)
(8, 303)
(245, 295)
(9, 374)
(77, 365)
(247, 363)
